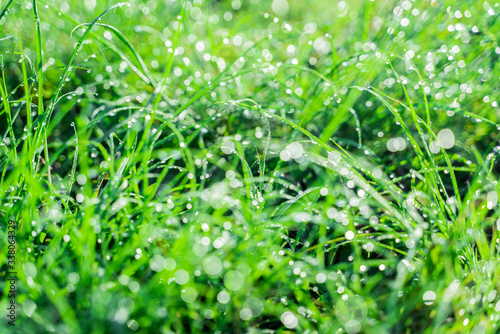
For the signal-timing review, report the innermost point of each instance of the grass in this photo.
(251, 166)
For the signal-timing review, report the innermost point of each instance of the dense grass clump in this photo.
(251, 166)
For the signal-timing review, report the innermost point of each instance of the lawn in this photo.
(249, 166)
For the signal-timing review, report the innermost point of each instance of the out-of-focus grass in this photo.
(251, 166)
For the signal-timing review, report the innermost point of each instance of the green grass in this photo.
(251, 166)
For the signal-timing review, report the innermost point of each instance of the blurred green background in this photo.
(175, 203)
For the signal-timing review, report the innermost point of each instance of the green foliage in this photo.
(251, 166)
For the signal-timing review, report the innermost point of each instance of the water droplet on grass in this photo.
(289, 320)
(429, 297)
(228, 147)
(213, 266)
(223, 297)
(189, 295)
(334, 157)
(446, 138)
(157, 263)
(233, 280)
(181, 277)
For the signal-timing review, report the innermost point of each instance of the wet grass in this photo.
(251, 166)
